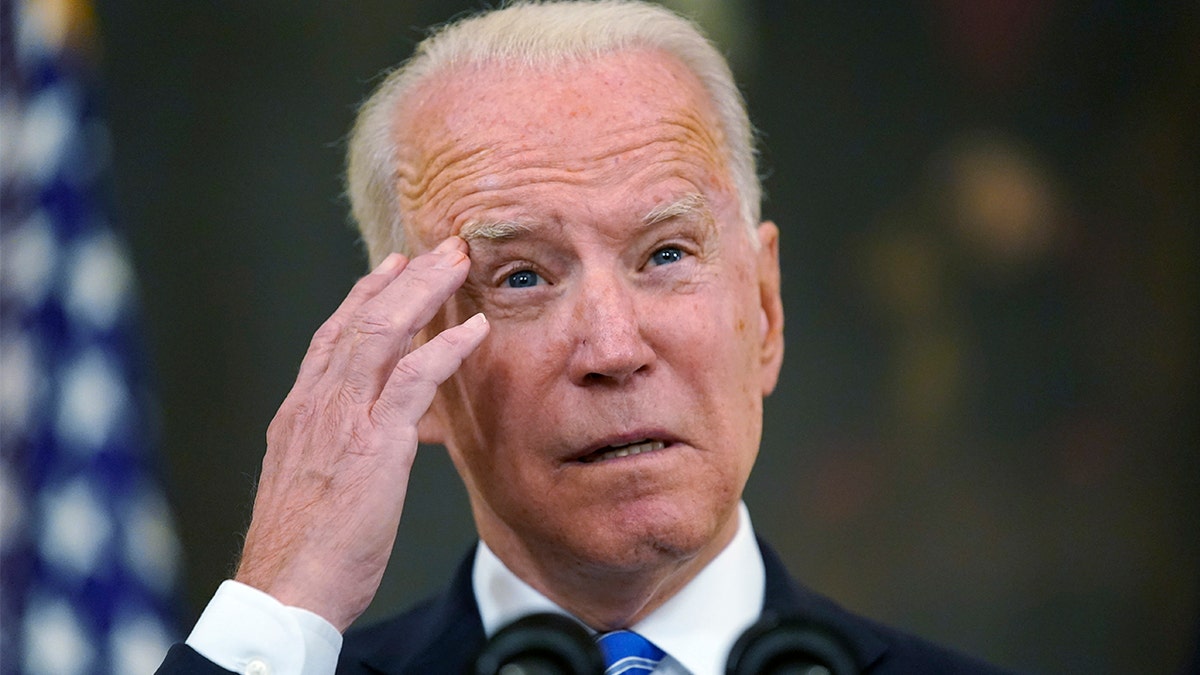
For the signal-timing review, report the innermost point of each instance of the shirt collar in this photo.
(696, 627)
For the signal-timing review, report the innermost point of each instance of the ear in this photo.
(771, 305)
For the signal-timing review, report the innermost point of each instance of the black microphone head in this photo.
(790, 646)
(540, 644)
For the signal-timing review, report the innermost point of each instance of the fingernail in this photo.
(476, 320)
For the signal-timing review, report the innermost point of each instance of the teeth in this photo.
(628, 450)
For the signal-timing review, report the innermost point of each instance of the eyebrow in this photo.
(493, 230)
(693, 205)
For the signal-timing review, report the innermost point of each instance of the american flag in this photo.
(87, 553)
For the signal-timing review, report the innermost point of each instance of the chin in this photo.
(640, 540)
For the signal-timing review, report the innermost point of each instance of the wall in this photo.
(985, 430)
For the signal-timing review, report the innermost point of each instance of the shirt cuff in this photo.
(250, 632)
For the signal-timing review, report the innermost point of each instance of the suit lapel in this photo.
(441, 636)
(787, 599)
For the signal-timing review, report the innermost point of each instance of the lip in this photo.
(624, 440)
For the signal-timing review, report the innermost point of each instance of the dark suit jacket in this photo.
(444, 633)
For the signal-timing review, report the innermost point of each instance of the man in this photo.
(589, 322)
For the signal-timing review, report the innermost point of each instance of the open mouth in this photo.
(628, 450)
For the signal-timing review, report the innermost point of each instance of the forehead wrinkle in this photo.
(682, 137)
(686, 130)
(437, 169)
(444, 162)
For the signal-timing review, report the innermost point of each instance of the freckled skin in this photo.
(608, 343)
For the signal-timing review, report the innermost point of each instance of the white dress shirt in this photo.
(247, 631)
(696, 627)
(250, 632)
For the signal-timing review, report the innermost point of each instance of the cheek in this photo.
(706, 325)
(507, 378)
(692, 336)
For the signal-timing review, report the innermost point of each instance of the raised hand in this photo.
(341, 447)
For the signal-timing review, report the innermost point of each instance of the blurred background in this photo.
(986, 428)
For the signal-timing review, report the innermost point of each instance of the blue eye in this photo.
(523, 279)
(666, 256)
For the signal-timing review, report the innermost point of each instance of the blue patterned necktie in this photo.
(627, 653)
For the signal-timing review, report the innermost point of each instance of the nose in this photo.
(606, 326)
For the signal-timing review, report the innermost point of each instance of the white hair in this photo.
(536, 33)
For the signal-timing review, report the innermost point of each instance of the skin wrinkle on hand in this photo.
(329, 453)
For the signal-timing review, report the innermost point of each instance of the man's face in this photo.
(612, 416)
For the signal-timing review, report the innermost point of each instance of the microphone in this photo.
(540, 644)
(790, 646)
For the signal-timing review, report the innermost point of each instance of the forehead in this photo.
(501, 130)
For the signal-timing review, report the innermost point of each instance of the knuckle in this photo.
(302, 413)
(366, 288)
(328, 333)
(407, 371)
(298, 418)
(352, 392)
(408, 394)
(425, 280)
(370, 324)
(449, 338)
(370, 284)
(276, 429)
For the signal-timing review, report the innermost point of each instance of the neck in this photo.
(608, 596)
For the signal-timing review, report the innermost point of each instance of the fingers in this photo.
(316, 359)
(382, 329)
(340, 449)
(410, 389)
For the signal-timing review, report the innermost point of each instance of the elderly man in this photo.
(572, 292)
